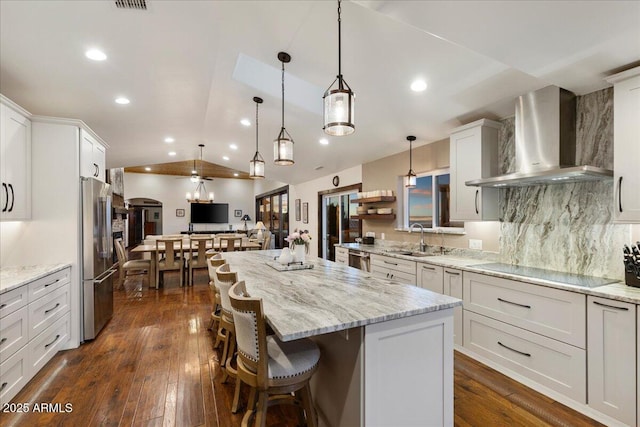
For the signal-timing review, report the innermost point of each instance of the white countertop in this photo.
(616, 291)
(14, 277)
(329, 297)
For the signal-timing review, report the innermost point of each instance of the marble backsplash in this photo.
(566, 227)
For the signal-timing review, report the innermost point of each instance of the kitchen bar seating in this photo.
(226, 328)
(215, 260)
(272, 368)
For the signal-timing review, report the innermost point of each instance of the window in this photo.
(428, 202)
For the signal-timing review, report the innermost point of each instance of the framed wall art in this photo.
(237, 213)
(297, 209)
(305, 213)
(179, 212)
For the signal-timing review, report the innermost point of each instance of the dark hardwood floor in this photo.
(154, 365)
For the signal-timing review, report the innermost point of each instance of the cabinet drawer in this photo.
(551, 312)
(13, 300)
(47, 309)
(49, 283)
(14, 374)
(47, 344)
(342, 256)
(402, 265)
(430, 277)
(556, 365)
(14, 333)
(398, 276)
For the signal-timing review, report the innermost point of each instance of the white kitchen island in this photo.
(386, 347)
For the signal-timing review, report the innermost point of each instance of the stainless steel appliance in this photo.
(97, 252)
(359, 259)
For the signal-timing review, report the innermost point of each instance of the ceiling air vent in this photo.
(132, 4)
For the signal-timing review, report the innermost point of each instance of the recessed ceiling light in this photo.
(233, 146)
(95, 55)
(418, 85)
(169, 140)
(122, 101)
(324, 141)
(225, 157)
(235, 174)
(148, 169)
(245, 122)
(172, 153)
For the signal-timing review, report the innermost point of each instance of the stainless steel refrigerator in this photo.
(97, 253)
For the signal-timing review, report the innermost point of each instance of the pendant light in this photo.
(410, 178)
(200, 192)
(283, 145)
(339, 102)
(256, 165)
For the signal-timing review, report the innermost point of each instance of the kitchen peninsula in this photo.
(387, 347)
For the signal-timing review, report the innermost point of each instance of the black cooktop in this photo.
(550, 275)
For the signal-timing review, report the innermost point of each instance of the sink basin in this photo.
(409, 253)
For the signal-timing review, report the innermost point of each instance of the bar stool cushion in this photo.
(292, 358)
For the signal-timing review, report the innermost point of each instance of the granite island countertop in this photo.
(14, 277)
(329, 297)
(617, 290)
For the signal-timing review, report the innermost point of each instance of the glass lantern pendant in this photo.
(339, 101)
(283, 145)
(410, 178)
(256, 165)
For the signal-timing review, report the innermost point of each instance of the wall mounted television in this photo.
(209, 213)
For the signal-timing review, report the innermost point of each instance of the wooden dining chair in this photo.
(198, 257)
(172, 259)
(213, 263)
(226, 330)
(272, 368)
(231, 244)
(125, 266)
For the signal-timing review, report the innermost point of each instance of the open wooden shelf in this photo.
(375, 199)
(374, 216)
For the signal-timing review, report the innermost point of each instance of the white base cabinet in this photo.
(342, 255)
(34, 325)
(453, 287)
(612, 358)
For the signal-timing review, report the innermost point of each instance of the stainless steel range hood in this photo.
(545, 133)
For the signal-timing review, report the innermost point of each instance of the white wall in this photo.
(171, 191)
(308, 192)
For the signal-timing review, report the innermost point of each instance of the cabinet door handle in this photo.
(6, 197)
(2, 341)
(391, 277)
(3, 386)
(428, 268)
(2, 306)
(13, 198)
(453, 273)
(514, 303)
(54, 340)
(620, 194)
(514, 350)
(95, 169)
(51, 309)
(610, 306)
(477, 194)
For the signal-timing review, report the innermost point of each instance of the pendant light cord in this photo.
(410, 157)
(257, 103)
(339, 41)
(282, 94)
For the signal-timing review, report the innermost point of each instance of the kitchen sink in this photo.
(409, 253)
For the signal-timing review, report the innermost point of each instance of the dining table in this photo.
(186, 247)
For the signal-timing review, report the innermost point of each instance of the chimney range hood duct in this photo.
(545, 134)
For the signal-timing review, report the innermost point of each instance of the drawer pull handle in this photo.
(52, 283)
(51, 309)
(3, 386)
(452, 273)
(2, 340)
(428, 268)
(611, 306)
(390, 263)
(2, 306)
(514, 303)
(514, 350)
(54, 340)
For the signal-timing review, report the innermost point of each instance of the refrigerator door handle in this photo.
(105, 276)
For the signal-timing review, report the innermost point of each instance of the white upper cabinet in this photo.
(474, 155)
(92, 157)
(626, 145)
(15, 163)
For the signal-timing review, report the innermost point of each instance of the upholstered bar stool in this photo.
(272, 368)
(214, 261)
(226, 329)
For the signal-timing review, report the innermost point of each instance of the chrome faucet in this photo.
(423, 245)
